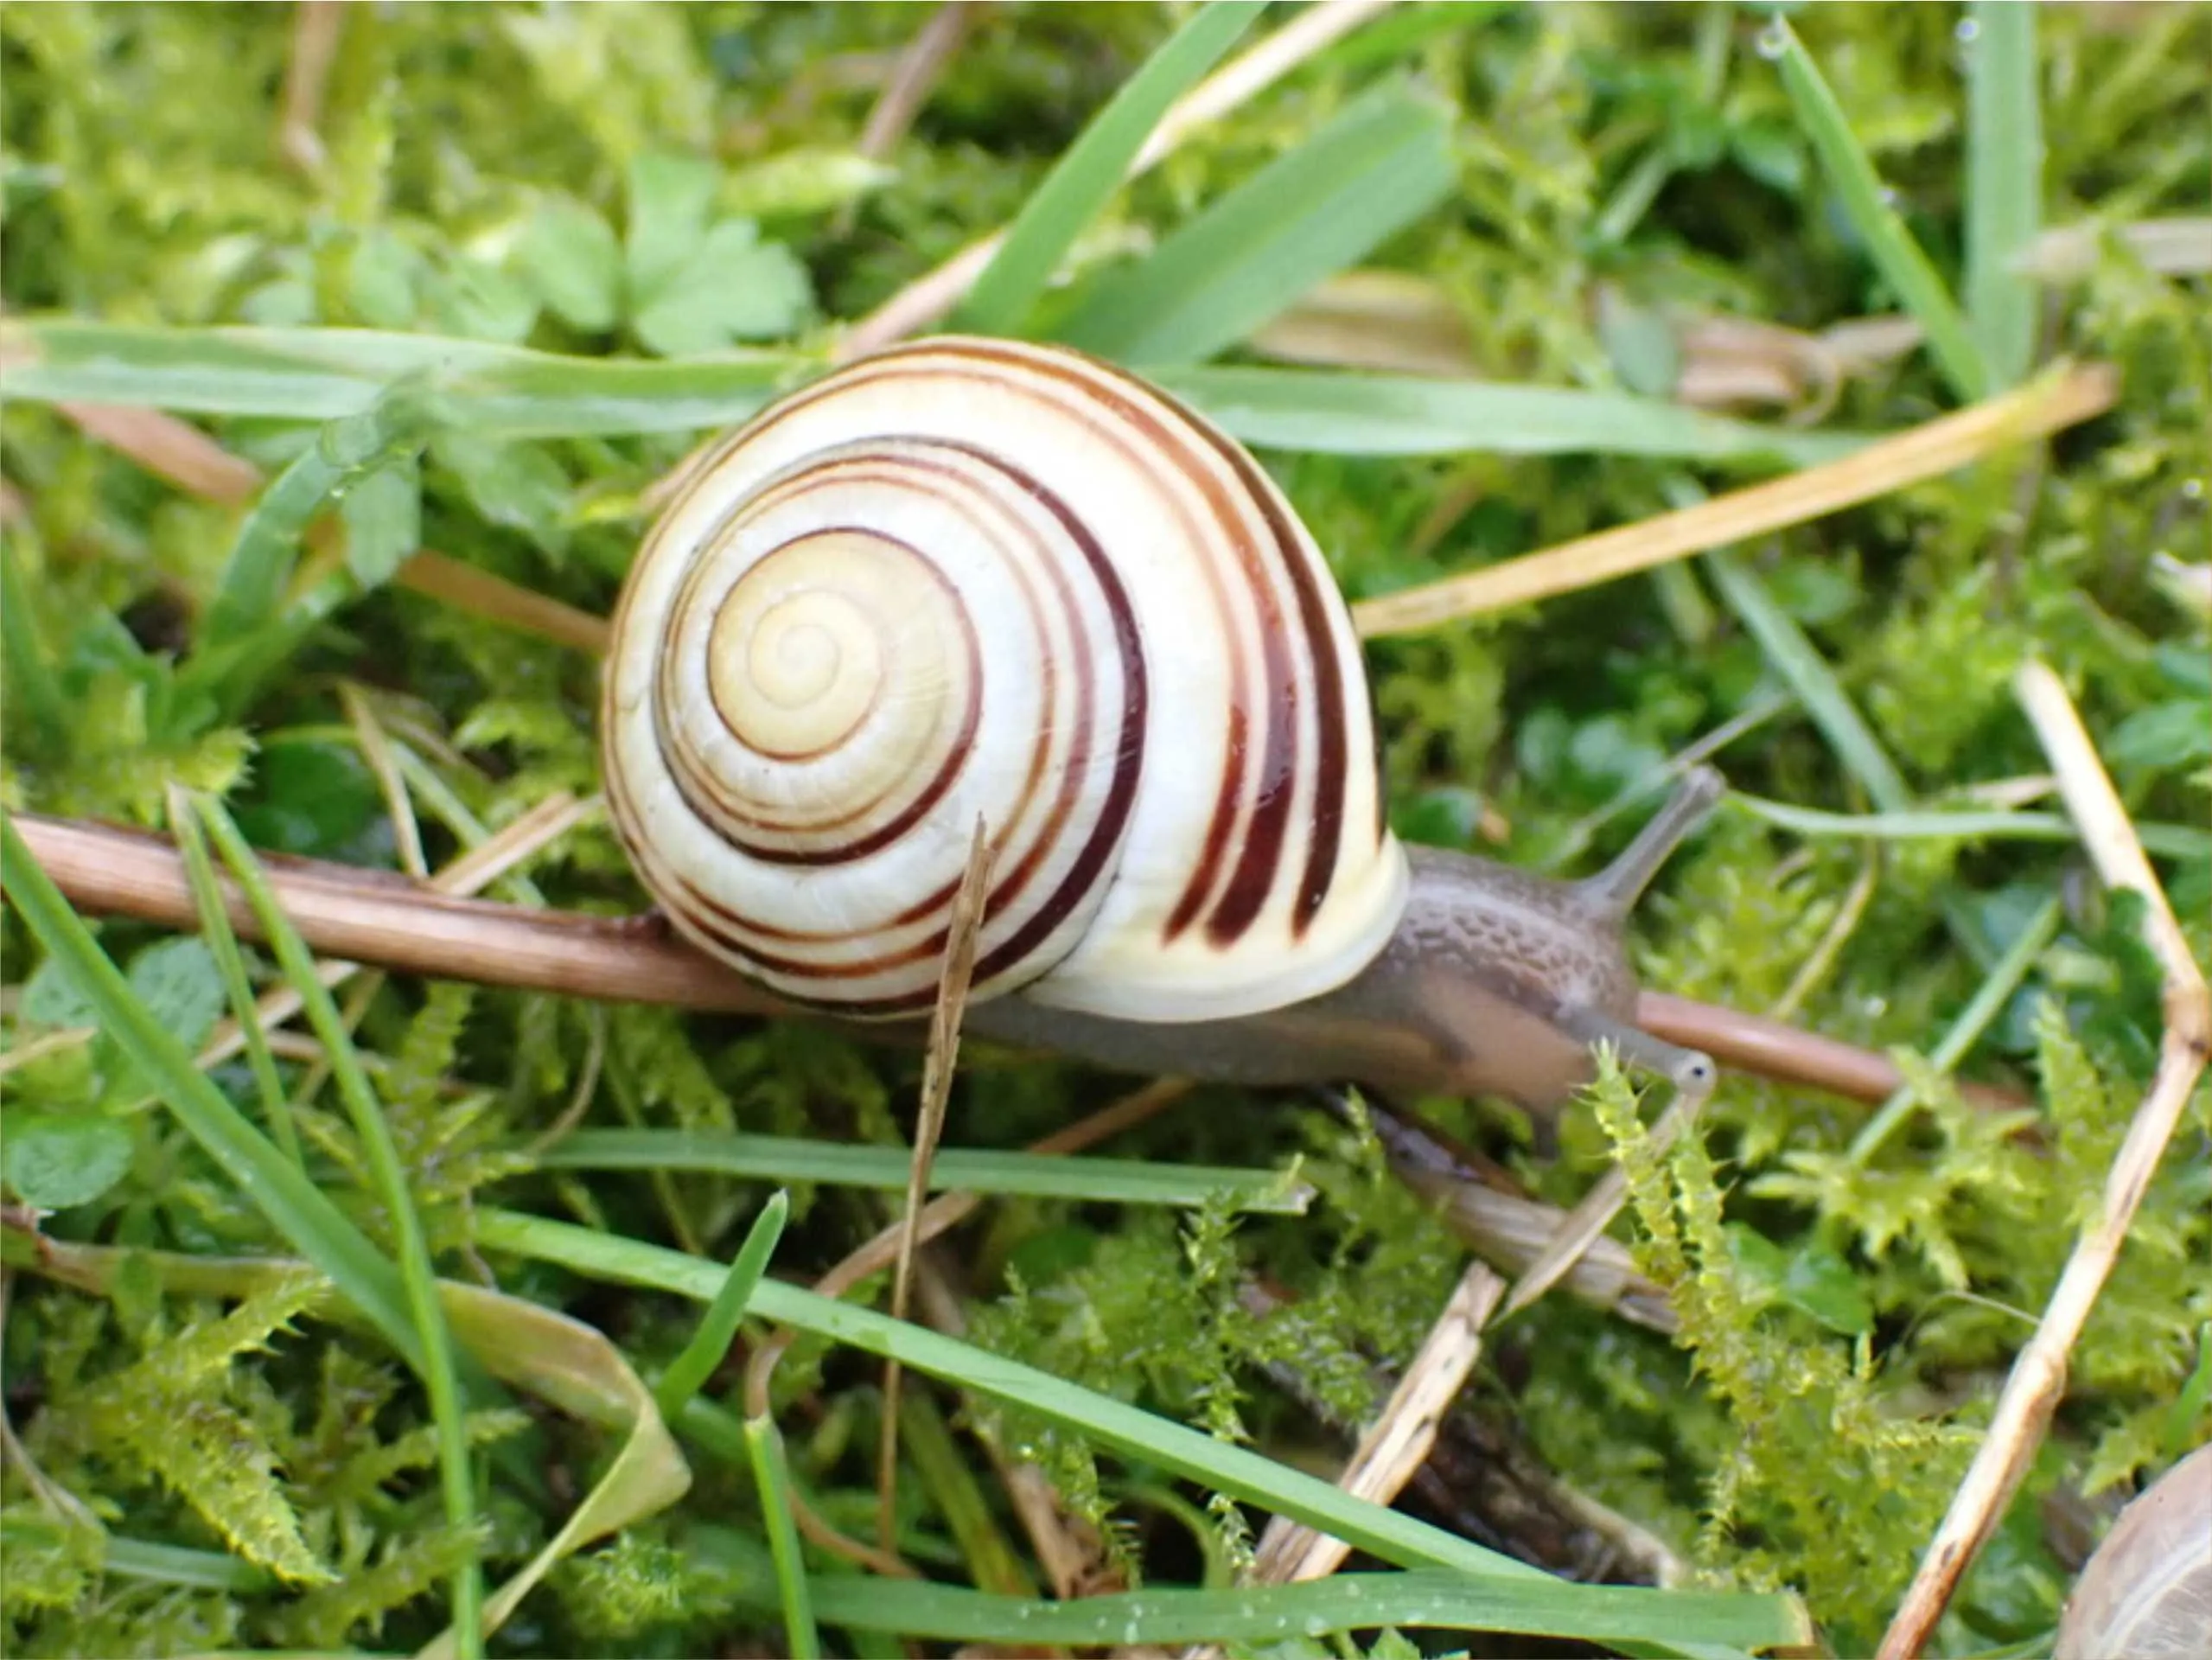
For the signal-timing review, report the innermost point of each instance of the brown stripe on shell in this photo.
(1258, 859)
(1324, 847)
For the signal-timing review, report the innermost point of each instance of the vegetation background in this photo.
(1580, 197)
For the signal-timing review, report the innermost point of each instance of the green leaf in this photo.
(53, 998)
(1326, 412)
(381, 279)
(53, 1160)
(1385, 161)
(383, 516)
(1811, 1279)
(520, 486)
(669, 199)
(732, 286)
(180, 986)
(569, 256)
(1083, 179)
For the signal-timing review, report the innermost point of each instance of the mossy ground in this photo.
(1849, 1317)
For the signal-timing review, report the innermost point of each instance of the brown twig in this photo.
(1919, 453)
(375, 917)
(912, 77)
(2038, 1381)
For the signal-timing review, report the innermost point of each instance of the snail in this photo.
(970, 579)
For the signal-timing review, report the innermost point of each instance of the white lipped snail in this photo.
(972, 577)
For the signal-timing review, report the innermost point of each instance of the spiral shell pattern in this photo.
(975, 580)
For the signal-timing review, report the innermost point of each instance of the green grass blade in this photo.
(1328, 412)
(295, 1207)
(418, 1275)
(1966, 1029)
(1806, 674)
(1888, 243)
(29, 675)
(1085, 179)
(325, 374)
(1423, 1599)
(251, 585)
(688, 1373)
(2167, 840)
(790, 1159)
(1385, 161)
(773, 1475)
(1234, 1470)
(2005, 173)
(229, 963)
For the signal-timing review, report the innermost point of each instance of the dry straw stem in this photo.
(1398, 1443)
(1927, 451)
(373, 917)
(937, 1070)
(316, 29)
(2031, 1393)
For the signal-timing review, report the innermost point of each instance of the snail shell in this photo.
(2146, 1593)
(972, 578)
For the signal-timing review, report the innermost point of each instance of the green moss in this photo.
(1644, 152)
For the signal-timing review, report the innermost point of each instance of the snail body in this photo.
(972, 581)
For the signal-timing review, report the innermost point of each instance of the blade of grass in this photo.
(456, 1476)
(1329, 413)
(2005, 173)
(1421, 1598)
(688, 1373)
(30, 679)
(772, 1473)
(1226, 1468)
(230, 963)
(294, 1206)
(325, 374)
(250, 589)
(1967, 1027)
(1383, 162)
(1086, 177)
(1809, 678)
(792, 1160)
(2167, 840)
(1867, 204)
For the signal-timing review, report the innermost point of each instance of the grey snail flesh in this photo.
(969, 580)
